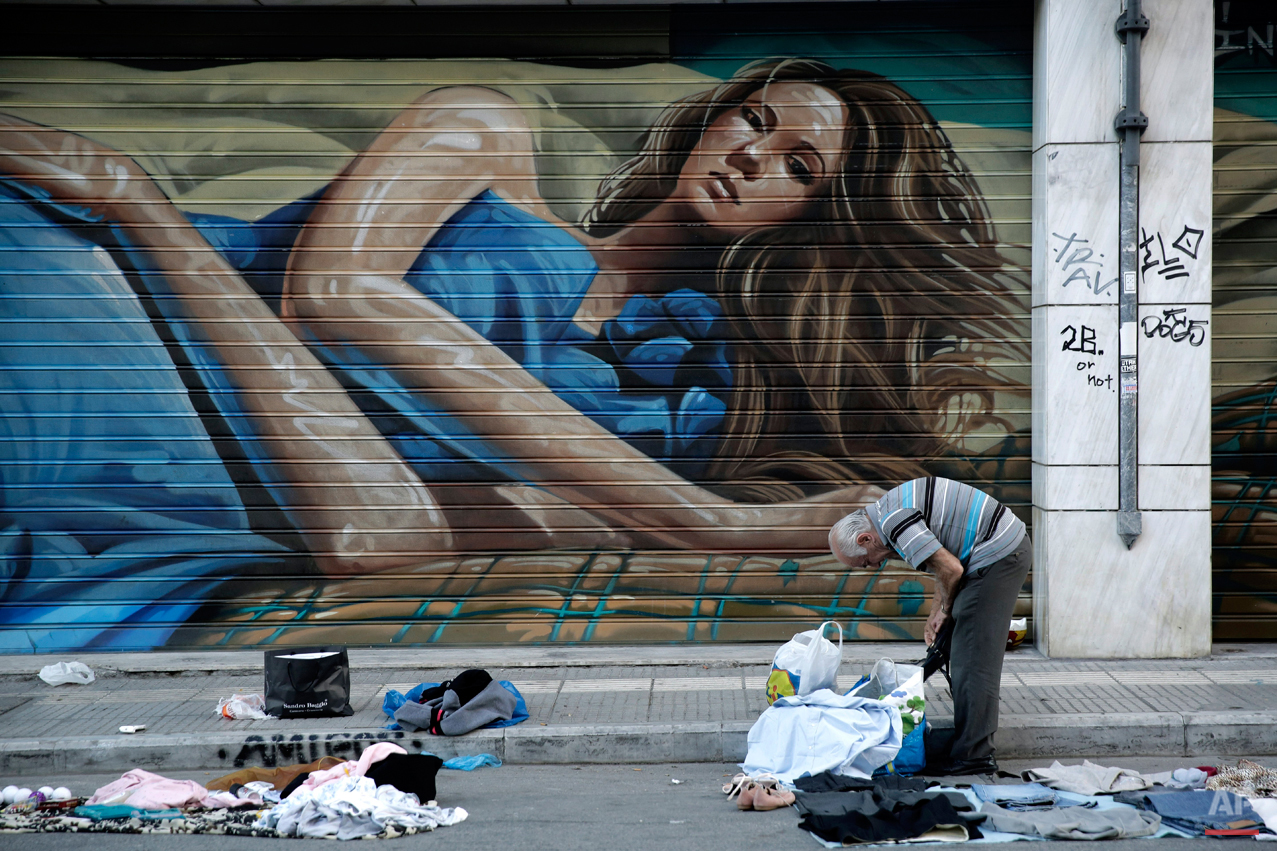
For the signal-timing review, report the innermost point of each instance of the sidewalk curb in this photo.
(1019, 737)
(249, 662)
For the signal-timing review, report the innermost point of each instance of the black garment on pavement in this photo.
(294, 784)
(878, 815)
(408, 772)
(466, 684)
(827, 781)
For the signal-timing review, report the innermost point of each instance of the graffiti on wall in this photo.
(479, 361)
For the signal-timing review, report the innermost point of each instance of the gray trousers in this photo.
(982, 614)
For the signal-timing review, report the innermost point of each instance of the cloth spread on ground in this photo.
(823, 731)
(350, 768)
(1087, 778)
(146, 791)
(1247, 778)
(1074, 822)
(279, 778)
(879, 815)
(353, 808)
(827, 781)
(408, 772)
(1195, 810)
(228, 822)
(470, 701)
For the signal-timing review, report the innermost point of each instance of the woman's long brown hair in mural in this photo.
(755, 326)
(860, 342)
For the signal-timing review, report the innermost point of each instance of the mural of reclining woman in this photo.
(768, 310)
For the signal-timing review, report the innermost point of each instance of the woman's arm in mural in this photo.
(345, 289)
(357, 506)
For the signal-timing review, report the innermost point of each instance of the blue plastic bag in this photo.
(907, 695)
(393, 700)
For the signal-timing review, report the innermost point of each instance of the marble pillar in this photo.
(1093, 598)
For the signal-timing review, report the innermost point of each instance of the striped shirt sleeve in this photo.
(900, 520)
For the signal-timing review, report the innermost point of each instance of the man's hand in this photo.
(935, 621)
(948, 572)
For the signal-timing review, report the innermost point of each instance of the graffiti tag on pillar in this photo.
(1082, 340)
(1075, 257)
(1169, 257)
(1176, 326)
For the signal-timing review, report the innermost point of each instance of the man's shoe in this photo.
(961, 767)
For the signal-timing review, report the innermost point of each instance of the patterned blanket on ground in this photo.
(225, 822)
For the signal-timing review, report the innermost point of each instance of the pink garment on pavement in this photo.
(350, 768)
(147, 791)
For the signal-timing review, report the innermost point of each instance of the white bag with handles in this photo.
(807, 662)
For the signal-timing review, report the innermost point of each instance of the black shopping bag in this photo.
(308, 682)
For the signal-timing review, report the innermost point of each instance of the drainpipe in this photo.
(1131, 27)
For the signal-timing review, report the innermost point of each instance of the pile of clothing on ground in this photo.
(1069, 802)
(386, 793)
(467, 702)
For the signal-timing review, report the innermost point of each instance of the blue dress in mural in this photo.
(118, 514)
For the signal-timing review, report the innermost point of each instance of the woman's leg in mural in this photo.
(356, 504)
(345, 291)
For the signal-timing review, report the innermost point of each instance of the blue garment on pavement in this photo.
(393, 700)
(823, 731)
(1195, 810)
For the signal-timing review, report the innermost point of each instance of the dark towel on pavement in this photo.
(878, 815)
(408, 772)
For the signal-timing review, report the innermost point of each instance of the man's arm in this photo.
(948, 572)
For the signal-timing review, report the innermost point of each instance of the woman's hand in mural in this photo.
(72, 169)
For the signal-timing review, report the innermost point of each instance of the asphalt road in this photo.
(592, 807)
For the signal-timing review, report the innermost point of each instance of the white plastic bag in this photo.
(243, 706)
(67, 672)
(806, 663)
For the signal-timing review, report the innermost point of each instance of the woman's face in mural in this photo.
(762, 162)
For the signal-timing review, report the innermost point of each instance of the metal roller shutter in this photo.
(464, 447)
(1244, 458)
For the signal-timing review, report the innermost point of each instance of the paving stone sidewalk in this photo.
(618, 704)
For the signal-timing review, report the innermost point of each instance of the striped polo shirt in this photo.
(921, 516)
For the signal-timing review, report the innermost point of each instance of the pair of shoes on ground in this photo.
(763, 792)
(960, 767)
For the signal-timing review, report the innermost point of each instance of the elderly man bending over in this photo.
(980, 555)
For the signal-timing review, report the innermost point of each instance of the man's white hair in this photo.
(844, 533)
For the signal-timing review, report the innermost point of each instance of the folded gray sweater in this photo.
(494, 703)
